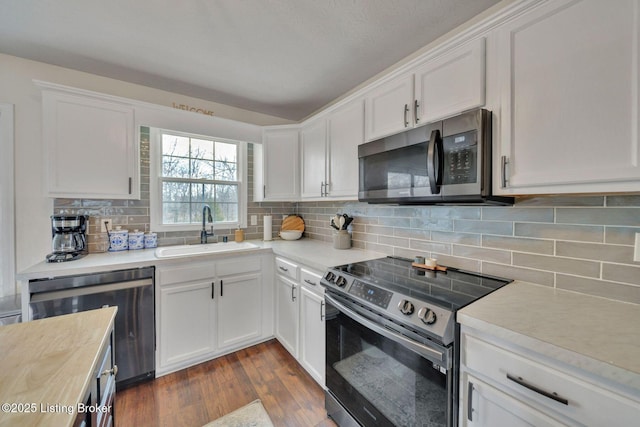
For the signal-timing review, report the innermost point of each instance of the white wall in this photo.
(33, 240)
(7, 219)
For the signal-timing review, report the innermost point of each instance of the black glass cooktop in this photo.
(451, 289)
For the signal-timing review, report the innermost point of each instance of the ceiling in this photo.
(285, 58)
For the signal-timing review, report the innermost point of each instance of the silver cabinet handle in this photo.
(415, 111)
(113, 371)
(470, 401)
(503, 167)
(321, 189)
(406, 110)
(130, 184)
(293, 296)
(213, 290)
(221, 288)
(282, 268)
(264, 191)
(550, 395)
(322, 311)
(310, 282)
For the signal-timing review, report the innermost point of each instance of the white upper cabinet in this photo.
(388, 108)
(568, 82)
(329, 153)
(91, 150)
(276, 175)
(451, 83)
(313, 155)
(345, 132)
(440, 87)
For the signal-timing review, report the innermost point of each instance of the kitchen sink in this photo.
(209, 248)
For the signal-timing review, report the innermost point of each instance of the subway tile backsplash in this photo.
(579, 243)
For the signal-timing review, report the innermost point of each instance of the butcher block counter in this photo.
(48, 367)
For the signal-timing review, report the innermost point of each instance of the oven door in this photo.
(382, 377)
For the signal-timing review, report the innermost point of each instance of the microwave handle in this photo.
(434, 154)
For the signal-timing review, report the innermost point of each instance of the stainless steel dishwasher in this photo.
(132, 291)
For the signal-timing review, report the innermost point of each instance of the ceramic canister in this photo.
(136, 240)
(118, 240)
(151, 240)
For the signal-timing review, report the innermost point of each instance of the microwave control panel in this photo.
(460, 158)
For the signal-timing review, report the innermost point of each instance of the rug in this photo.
(250, 415)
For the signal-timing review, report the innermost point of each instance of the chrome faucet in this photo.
(206, 210)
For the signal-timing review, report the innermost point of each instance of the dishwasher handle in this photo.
(88, 290)
(62, 283)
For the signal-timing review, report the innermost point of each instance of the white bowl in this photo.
(290, 234)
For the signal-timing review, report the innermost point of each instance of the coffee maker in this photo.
(69, 240)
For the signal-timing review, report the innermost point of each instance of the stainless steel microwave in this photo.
(444, 162)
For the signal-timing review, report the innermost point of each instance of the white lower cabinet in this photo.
(505, 384)
(287, 312)
(210, 307)
(492, 407)
(300, 325)
(186, 322)
(312, 330)
(239, 315)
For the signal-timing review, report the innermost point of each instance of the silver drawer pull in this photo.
(310, 282)
(550, 395)
(113, 371)
(283, 269)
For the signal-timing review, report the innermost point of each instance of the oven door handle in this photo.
(419, 348)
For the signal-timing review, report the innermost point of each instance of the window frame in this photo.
(155, 183)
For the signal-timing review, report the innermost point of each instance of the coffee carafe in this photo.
(68, 235)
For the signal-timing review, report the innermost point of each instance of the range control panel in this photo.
(372, 294)
(419, 314)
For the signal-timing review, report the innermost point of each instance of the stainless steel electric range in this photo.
(392, 341)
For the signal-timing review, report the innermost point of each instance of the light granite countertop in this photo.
(50, 362)
(316, 254)
(594, 334)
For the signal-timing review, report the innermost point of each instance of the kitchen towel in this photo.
(267, 228)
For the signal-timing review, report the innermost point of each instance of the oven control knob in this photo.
(427, 316)
(330, 277)
(406, 307)
(341, 281)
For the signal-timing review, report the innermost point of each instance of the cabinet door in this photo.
(186, 326)
(280, 167)
(91, 148)
(287, 310)
(491, 407)
(346, 132)
(312, 334)
(239, 309)
(313, 159)
(569, 95)
(451, 83)
(389, 108)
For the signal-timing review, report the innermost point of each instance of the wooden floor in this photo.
(202, 393)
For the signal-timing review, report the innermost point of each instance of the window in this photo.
(191, 171)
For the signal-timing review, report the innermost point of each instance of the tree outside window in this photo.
(194, 172)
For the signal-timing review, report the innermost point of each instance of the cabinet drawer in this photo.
(311, 280)
(239, 266)
(579, 400)
(186, 273)
(287, 268)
